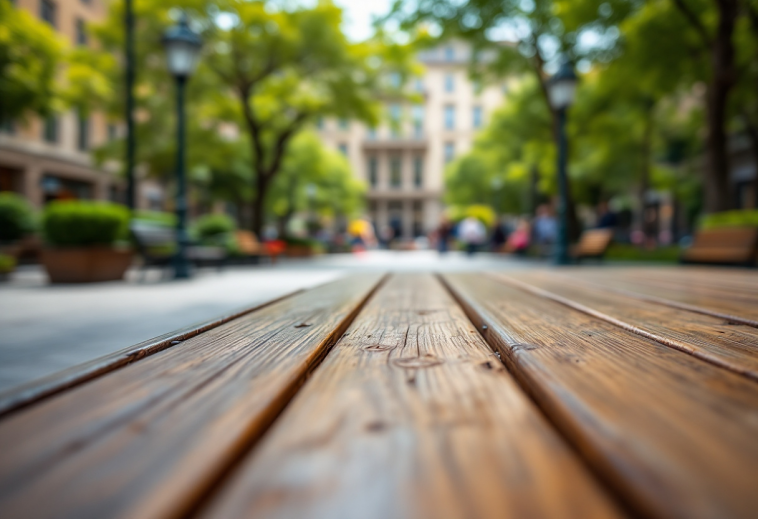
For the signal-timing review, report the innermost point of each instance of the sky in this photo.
(358, 16)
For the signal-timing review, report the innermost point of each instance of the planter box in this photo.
(86, 264)
(299, 251)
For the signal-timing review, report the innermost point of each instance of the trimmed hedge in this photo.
(16, 217)
(156, 217)
(213, 226)
(739, 218)
(79, 223)
(7, 263)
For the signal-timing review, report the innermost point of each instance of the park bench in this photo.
(593, 243)
(250, 247)
(572, 393)
(156, 246)
(736, 246)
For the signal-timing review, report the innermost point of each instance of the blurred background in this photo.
(256, 147)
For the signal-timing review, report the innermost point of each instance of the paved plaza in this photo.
(47, 328)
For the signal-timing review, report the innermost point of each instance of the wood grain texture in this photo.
(411, 415)
(672, 434)
(731, 296)
(731, 346)
(37, 390)
(148, 440)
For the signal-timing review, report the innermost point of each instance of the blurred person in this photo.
(606, 218)
(518, 241)
(444, 233)
(362, 235)
(545, 229)
(472, 233)
(499, 236)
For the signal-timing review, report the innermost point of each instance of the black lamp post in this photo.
(182, 50)
(561, 91)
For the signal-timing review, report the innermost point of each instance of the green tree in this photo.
(30, 54)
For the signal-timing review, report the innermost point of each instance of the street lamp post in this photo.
(561, 91)
(496, 184)
(182, 51)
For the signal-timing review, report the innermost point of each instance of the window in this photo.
(419, 86)
(395, 114)
(395, 172)
(418, 171)
(449, 83)
(449, 53)
(50, 130)
(477, 86)
(47, 11)
(81, 32)
(344, 124)
(83, 136)
(477, 117)
(372, 134)
(320, 123)
(449, 117)
(449, 151)
(343, 148)
(418, 121)
(373, 171)
(112, 132)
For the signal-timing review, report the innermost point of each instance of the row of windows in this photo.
(417, 116)
(51, 131)
(396, 175)
(48, 12)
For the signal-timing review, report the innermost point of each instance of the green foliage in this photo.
(743, 218)
(30, 53)
(211, 226)
(7, 263)
(77, 223)
(625, 252)
(16, 217)
(156, 217)
(483, 213)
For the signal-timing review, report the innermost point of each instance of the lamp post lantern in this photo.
(561, 92)
(182, 52)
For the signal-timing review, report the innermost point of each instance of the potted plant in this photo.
(16, 223)
(301, 247)
(81, 241)
(7, 264)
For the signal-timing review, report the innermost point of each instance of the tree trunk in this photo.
(752, 131)
(717, 196)
(259, 200)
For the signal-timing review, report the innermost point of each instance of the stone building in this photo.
(49, 159)
(403, 163)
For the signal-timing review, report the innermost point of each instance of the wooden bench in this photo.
(593, 243)
(156, 246)
(379, 397)
(252, 248)
(735, 246)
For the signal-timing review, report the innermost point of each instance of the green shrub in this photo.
(76, 223)
(626, 252)
(739, 218)
(212, 226)
(156, 217)
(7, 263)
(16, 217)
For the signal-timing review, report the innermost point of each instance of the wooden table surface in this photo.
(579, 392)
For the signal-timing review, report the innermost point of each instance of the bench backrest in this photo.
(247, 242)
(149, 236)
(728, 245)
(594, 242)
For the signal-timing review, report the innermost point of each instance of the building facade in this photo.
(48, 159)
(403, 160)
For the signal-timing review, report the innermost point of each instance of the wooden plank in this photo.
(411, 415)
(731, 346)
(148, 440)
(27, 394)
(672, 434)
(689, 293)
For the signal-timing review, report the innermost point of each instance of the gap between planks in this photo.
(677, 345)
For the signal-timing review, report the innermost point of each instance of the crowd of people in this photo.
(513, 235)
